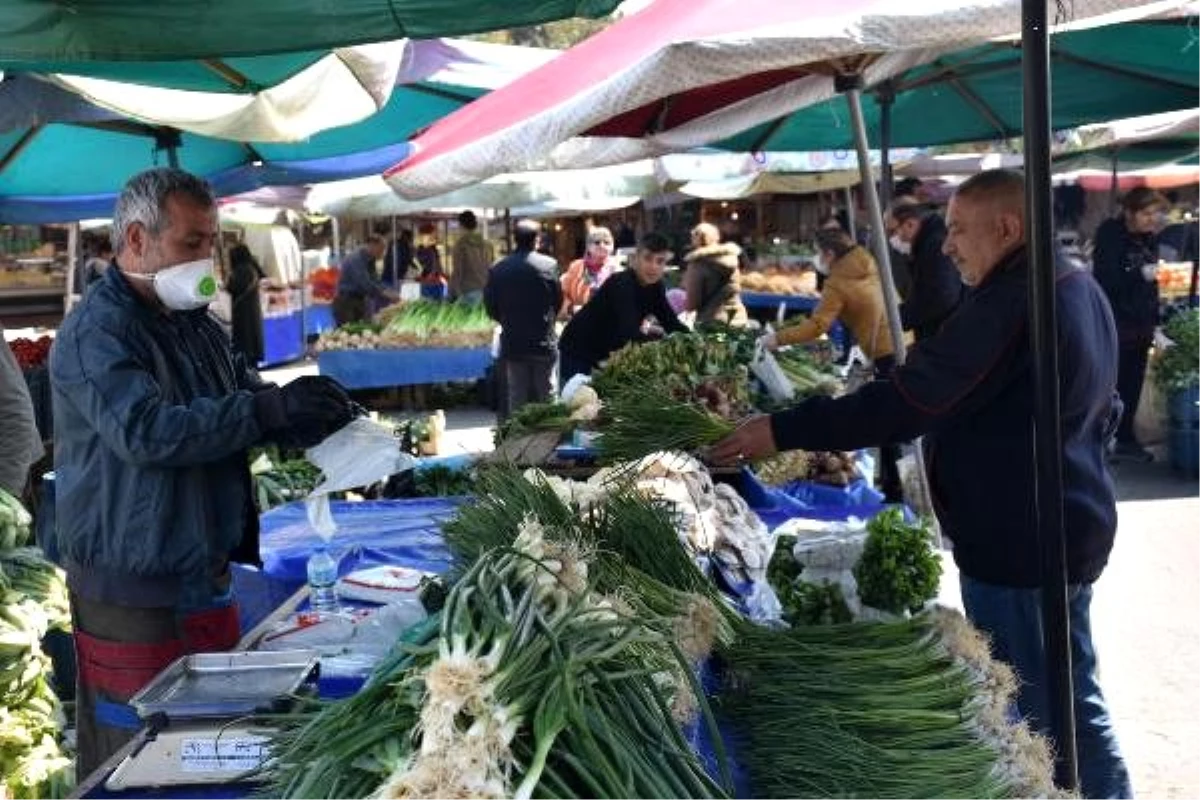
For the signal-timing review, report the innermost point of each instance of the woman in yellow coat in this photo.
(852, 294)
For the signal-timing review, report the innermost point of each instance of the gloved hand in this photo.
(309, 409)
(1161, 342)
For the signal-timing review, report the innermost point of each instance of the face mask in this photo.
(899, 245)
(184, 287)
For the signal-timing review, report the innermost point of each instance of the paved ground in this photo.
(1146, 613)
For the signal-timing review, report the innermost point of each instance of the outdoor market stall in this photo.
(410, 343)
(704, 742)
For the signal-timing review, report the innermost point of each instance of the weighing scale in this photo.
(198, 715)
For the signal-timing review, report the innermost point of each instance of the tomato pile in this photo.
(31, 353)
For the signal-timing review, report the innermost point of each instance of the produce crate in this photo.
(1183, 449)
(1183, 408)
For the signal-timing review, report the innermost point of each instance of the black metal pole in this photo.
(1043, 325)
(885, 96)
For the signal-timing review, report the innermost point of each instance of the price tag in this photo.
(226, 754)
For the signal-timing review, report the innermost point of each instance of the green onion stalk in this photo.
(528, 683)
(912, 708)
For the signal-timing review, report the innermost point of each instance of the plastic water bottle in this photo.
(322, 577)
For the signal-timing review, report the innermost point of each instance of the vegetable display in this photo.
(807, 372)
(684, 366)
(830, 468)
(278, 481)
(563, 660)
(898, 570)
(535, 684)
(636, 423)
(415, 324)
(33, 599)
(1177, 367)
(31, 353)
(915, 708)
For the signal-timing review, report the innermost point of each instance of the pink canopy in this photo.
(683, 73)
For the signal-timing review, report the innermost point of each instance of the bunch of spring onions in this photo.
(636, 549)
(536, 685)
(637, 423)
(914, 708)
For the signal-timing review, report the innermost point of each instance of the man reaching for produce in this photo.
(153, 417)
(852, 292)
(968, 389)
(631, 306)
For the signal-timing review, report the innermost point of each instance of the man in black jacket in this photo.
(935, 289)
(969, 390)
(631, 306)
(523, 295)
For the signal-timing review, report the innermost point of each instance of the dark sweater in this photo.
(936, 288)
(613, 317)
(969, 390)
(523, 295)
(1117, 261)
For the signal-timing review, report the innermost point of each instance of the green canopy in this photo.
(1099, 74)
(177, 30)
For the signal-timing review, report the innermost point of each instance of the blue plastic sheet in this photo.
(772, 301)
(403, 532)
(283, 338)
(369, 369)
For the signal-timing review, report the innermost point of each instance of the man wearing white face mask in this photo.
(936, 288)
(153, 417)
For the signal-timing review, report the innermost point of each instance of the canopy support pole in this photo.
(1114, 188)
(72, 267)
(885, 96)
(1047, 444)
(337, 240)
(851, 86)
(848, 196)
(395, 256)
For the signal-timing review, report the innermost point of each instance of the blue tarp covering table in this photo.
(318, 318)
(373, 369)
(772, 301)
(283, 338)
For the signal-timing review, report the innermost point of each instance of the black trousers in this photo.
(1131, 376)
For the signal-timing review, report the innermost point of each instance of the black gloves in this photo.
(306, 410)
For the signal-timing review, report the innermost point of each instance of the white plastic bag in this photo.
(360, 454)
(767, 369)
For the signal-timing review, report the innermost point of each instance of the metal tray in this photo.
(224, 684)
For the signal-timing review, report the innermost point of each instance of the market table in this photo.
(375, 369)
(397, 532)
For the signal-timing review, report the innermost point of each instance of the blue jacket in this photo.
(153, 416)
(969, 389)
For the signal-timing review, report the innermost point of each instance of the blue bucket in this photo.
(1183, 407)
(1183, 449)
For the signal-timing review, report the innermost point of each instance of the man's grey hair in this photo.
(144, 200)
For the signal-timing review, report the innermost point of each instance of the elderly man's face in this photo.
(979, 235)
(190, 235)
